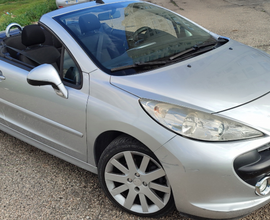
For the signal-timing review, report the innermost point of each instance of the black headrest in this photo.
(88, 23)
(32, 35)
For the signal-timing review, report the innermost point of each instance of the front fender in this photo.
(112, 109)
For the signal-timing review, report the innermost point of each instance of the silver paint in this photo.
(12, 25)
(46, 73)
(217, 80)
(44, 112)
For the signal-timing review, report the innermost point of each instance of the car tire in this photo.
(133, 178)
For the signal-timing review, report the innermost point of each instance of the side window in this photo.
(70, 72)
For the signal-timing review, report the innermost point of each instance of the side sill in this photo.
(49, 150)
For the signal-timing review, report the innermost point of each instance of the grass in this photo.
(23, 12)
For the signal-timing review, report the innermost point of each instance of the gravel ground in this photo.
(36, 185)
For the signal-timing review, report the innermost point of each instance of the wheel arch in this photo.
(151, 138)
(105, 138)
(102, 142)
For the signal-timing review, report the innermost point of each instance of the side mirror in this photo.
(46, 74)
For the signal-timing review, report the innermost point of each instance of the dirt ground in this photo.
(247, 21)
(36, 185)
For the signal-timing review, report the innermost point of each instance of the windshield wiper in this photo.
(195, 48)
(138, 65)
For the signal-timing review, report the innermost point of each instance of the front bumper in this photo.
(203, 177)
(253, 165)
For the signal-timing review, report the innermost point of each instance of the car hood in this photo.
(255, 114)
(224, 78)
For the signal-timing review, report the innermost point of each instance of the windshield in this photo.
(127, 33)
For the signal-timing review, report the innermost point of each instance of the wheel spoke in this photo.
(143, 202)
(144, 163)
(133, 186)
(154, 175)
(130, 162)
(119, 166)
(116, 177)
(154, 198)
(130, 199)
(119, 190)
(159, 187)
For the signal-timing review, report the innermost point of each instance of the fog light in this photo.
(262, 187)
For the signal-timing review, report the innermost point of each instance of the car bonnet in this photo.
(223, 78)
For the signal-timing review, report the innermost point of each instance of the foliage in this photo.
(24, 12)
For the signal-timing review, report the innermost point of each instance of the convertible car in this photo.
(167, 113)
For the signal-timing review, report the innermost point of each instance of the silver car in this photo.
(65, 3)
(166, 113)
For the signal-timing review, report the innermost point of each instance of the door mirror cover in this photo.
(46, 74)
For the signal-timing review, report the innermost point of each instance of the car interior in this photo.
(97, 41)
(111, 45)
(35, 46)
(108, 46)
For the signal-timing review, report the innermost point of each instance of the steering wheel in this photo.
(11, 26)
(136, 34)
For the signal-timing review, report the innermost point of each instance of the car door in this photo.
(39, 114)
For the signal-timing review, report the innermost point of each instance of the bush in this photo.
(29, 14)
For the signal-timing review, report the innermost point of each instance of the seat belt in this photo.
(23, 53)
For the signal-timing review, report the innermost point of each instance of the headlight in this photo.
(196, 124)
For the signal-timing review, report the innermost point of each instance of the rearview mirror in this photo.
(108, 15)
(46, 74)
